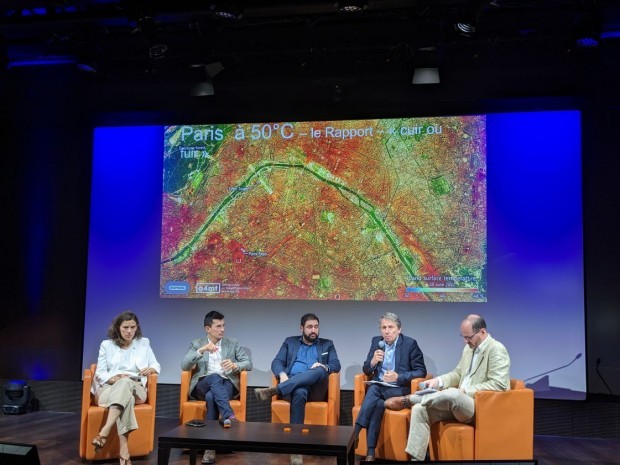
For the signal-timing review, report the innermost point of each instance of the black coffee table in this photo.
(260, 437)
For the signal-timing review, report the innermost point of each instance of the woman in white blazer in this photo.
(125, 360)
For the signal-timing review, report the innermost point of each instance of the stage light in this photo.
(202, 75)
(466, 23)
(230, 10)
(587, 30)
(149, 28)
(203, 84)
(465, 29)
(87, 64)
(15, 397)
(352, 6)
(425, 76)
(86, 67)
(586, 42)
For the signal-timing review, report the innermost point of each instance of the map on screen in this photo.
(381, 209)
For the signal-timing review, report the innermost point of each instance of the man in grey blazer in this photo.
(218, 361)
(484, 366)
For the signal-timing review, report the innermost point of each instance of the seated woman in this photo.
(125, 360)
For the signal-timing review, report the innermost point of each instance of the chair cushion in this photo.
(140, 440)
(316, 412)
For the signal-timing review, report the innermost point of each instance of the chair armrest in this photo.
(333, 399)
(186, 376)
(505, 418)
(151, 385)
(87, 401)
(359, 388)
(87, 383)
(243, 391)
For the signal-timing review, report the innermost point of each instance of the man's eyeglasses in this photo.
(469, 338)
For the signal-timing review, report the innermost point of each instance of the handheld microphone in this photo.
(382, 347)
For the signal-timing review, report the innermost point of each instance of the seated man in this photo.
(302, 367)
(484, 366)
(394, 360)
(218, 361)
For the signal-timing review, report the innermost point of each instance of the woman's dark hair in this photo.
(114, 331)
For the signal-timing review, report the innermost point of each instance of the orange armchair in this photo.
(317, 413)
(394, 427)
(93, 418)
(190, 409)
(504, 428)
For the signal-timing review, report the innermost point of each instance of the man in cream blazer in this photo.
(484, 366)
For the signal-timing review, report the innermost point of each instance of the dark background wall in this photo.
(46, 136)
(47, 114)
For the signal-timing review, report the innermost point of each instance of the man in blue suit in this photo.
(302, 367)
(393, 361)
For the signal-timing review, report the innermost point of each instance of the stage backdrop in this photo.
(430, 218)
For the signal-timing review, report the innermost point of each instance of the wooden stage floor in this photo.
(56, 436)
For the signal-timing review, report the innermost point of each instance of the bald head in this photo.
(473, 330)
(477, 322)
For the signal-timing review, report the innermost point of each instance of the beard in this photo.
(311, 337)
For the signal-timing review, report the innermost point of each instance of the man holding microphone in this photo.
(393, 361)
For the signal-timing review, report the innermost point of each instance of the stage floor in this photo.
(56, 436)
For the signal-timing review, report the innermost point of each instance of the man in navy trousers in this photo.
(302, 367)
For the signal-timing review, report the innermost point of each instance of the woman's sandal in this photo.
(99, 442)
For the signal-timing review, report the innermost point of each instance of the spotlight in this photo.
(587, 31)
(465, 29)
(148, 27)
(203, 84)
(229, 10)
(202, 75)
(157, 51)
(586, 42)
(352, 6)
(467, 21)
(16, 398)
(87, 64)
(425, 76)
(86, 67)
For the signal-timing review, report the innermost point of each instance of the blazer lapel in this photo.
(319, 350)
(297, 345)
(481, 356)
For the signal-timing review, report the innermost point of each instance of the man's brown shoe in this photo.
(398, 403)
(264, 394)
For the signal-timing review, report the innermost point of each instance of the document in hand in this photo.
(382, 383)
(422, 392)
